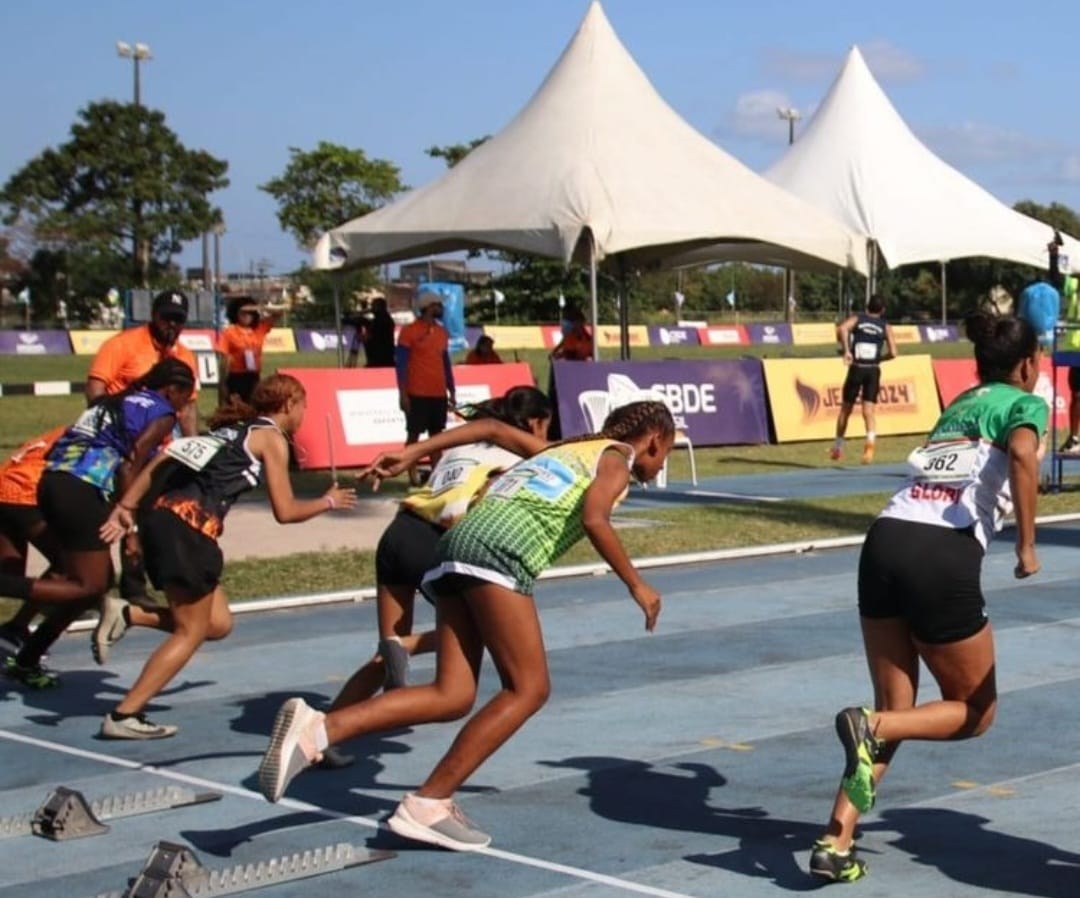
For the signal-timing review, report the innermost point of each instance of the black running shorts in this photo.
(406, 550)
(926, 574)
(865, 379)
(177, 556)
(74, 511)
(18, 522)
(427, 414)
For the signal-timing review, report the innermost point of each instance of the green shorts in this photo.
(460, 554)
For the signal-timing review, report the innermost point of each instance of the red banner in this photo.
(353, 415)
(723, 335)
(953, 376)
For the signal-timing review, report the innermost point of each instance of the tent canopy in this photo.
(857, 160)
(595, 153)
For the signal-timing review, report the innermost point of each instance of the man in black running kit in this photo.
(866, 341)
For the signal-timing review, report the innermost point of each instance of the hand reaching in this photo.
(338, 497)
(648, 600)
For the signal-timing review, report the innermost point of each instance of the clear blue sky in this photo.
(990, 86)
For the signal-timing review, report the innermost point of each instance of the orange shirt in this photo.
(19, 475)
(126, 357)
(244, 346)
(576, 346)
(474, 358)
(425, 374)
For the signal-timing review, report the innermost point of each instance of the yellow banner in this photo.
(805, 395)
(88, 342)
(508, 336)
(609, 335)
(280, 339)
(813, 334)
(905, 333)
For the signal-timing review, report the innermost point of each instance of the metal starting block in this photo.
(173, 871)
(66, 814)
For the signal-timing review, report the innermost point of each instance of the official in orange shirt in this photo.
(483, 353)
(126, 357)
(577, 343)
(240, 347)
(424, 374)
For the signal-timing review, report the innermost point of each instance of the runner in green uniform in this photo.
(919, 592)
(483, 589)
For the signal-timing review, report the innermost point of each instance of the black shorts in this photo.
(406, 550)
(178, 556)
(19, 522)
(1074, 379)
(74, 511)
(427, 414)
(865, 379)
(242, 383)
(926, 574)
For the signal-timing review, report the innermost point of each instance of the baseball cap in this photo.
(170, 302)
(426, 299)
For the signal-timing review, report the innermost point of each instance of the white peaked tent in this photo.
(857, 160)
(598, 152)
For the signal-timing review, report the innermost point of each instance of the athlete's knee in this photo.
(455, 702)
(533, 694)
(219, 628)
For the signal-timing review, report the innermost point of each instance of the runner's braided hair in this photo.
(271, 394)
(628, 422)
(1001, 343)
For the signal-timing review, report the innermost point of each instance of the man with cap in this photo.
(424, 374)
(123, 359)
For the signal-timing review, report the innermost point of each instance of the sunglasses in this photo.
(174, 317)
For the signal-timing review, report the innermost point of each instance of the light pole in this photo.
(136, 53)
(791, 115)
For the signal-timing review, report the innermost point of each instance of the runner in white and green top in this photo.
(920, 598)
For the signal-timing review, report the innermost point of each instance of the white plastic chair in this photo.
(595, 405)
(622, 391)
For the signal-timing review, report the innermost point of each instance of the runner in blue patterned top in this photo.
(920, 598)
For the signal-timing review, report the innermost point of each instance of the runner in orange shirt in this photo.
(240, 347)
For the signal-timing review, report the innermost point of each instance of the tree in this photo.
(124, 179)
(453, 153)
(327, 186)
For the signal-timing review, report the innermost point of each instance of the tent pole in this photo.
(944, 292)
(337, 319)
(624, 314)
(593, 297)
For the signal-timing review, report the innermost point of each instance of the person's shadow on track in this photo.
(964, 850)
(677, 797)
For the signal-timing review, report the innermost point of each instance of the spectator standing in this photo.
(576, 345)
(378, 336)
(240, 347)
(424, 374)
(483, 353)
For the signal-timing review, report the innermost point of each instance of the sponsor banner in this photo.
(804, 397)
(518, 337)
(723, 335)
(45, 342)
(905, 333)
(769, 334)
(608, 335)
(716, 401)
(322, 340)
(956, 375)
(813, 334)
(88, 342)
(280, 339)
(198, 339)
(673, 336)
(939, 333)
(353, 415)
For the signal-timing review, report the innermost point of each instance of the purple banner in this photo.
(322, 340)
(938, 333)
(769, 333)
(472, 334)
(673, 336)
(718, 402)
(53, 342)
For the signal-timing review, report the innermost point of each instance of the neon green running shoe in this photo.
(35, 676)
(860, 751)
(826, 862)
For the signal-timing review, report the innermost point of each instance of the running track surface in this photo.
(699, 760)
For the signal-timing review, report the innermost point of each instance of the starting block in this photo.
(66, 814)
(173, 871)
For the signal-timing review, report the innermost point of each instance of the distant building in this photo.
(455, 271)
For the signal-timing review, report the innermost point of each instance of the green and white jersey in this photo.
(529, 516)
(960, 477)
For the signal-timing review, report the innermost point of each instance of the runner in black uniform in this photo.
(197, 480)
(866, 340)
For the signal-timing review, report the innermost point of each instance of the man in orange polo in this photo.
(127, 356)
(424, 374)
(123, 359)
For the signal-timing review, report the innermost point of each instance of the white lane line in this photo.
(240, 792)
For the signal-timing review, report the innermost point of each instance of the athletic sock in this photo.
(838, 443)
(870, 436)
(319, 735)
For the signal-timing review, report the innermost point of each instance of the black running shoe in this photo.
(836, 866)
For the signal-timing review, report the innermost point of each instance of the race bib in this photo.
(865, 352)
(944, 462)
(446, 477)
(194, 452)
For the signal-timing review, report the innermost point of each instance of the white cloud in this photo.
(755, 115)
(972, 142)
(1070, 168)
